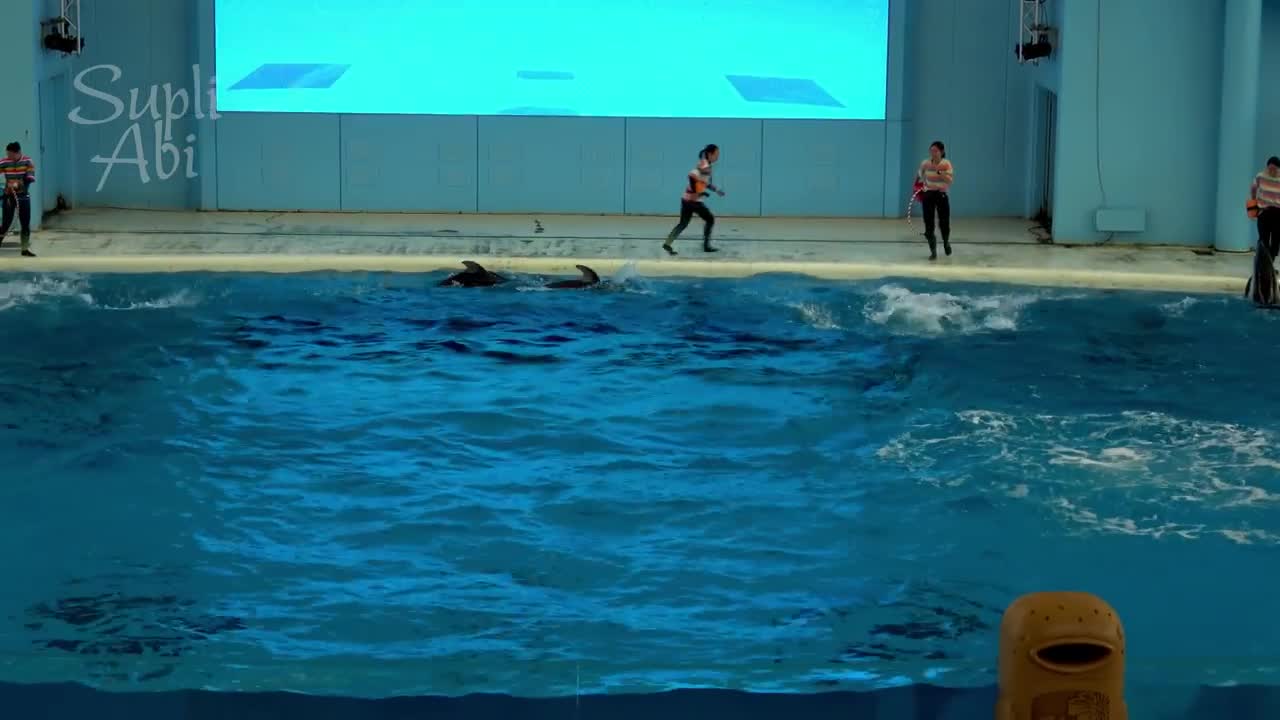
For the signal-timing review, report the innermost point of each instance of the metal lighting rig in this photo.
(1035, 37)
(62, 33)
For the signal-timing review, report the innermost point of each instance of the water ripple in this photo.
(288, 482)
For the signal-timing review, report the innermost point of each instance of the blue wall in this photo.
(1045, 78)
(150, 41)
(1156, 106)
(964, 87)
(1268, 140)
(952, 77)
(20, 117)
(34, 113)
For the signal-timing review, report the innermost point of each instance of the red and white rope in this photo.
(911, 204)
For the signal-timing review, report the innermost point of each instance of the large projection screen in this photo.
(765, 59)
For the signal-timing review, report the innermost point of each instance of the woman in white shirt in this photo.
(937, 175)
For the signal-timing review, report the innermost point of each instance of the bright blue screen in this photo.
(597, 58)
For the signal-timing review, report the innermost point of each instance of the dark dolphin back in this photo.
(475, 275)
(588, 279)
(1262, 288)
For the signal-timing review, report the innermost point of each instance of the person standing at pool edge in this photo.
(1266, 192)
(18, 173)
(937, 175)
(691, 201)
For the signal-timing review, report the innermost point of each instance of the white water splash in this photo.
(181, 298)
(816, 316)
(15, 293)
(1178, 308)
(629, 279)
(45, 288)
(1194, 478)
(937, 313)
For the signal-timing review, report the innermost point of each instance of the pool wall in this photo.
(1107, 124)
(74, 702)
(1035, 277)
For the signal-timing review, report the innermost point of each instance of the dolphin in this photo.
(474, 276)
(589, 279)
(1262, 288)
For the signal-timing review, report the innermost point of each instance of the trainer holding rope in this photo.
(18, 174)
(936, 174)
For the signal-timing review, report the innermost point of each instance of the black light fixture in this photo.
(1031, 51)
(62, 36)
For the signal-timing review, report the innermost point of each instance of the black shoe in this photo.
(708, 248)
(670, 250)
(946, 247)
(933, 256)
(28, 253)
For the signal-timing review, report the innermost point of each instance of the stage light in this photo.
(62, 33)
(63, 44)
(1028, 52)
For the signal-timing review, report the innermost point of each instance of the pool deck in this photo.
(988, 250)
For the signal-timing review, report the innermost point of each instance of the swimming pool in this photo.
(366, 485)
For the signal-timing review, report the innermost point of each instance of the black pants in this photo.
(21, 203)
(936, 201)
(689, 208)
(1268, 230)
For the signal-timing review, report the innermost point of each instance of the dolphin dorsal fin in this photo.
(588, 275)
(473, 266)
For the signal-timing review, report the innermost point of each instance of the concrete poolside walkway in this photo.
(994, 250)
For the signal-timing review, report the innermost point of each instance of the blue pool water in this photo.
(367, 485)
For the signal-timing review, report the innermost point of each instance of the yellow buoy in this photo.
(1061, 658)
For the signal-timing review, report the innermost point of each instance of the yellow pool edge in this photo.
(718, 268)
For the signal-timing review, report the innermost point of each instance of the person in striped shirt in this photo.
(699, 182)
(936, 174)
(19, 174)
(1266, 191)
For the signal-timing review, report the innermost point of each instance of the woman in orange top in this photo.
(699, 182)
(937, 174)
